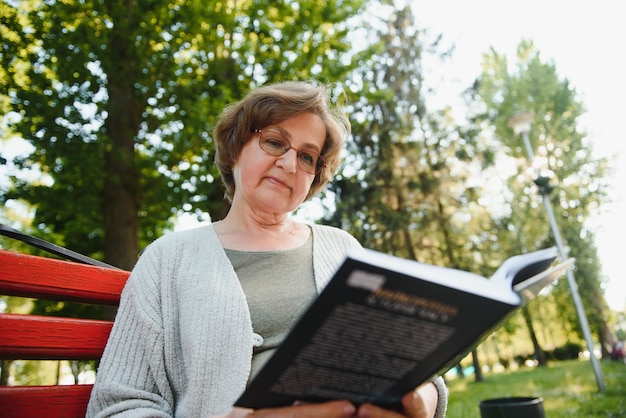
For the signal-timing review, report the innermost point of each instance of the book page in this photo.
(521, 267)
(530, 288)
(356, 352)
(458, 279)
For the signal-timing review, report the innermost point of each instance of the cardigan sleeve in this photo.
(131, 380)
(442, 399)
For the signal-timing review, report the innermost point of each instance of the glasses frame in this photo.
(319, 166)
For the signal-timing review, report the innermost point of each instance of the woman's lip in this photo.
(278, 181)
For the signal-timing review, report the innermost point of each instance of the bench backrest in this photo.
(33, 337)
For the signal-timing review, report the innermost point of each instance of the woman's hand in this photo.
(421, 403)
(334, 409)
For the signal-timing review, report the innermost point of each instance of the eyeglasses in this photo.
(275, 143)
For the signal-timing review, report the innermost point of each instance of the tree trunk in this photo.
(121, 185)
(478, 371)
(459, 371)
(4, 372)
(121, 195)
(607, 340)
(606, 335)
(539, 353)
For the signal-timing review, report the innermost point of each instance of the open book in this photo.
(384, 325)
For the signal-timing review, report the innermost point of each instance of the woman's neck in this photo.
(261, 233)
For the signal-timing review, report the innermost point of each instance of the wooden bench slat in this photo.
(32, 337)
(48, 278)
(29, 337)
(44, 401)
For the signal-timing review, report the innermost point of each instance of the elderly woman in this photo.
(204, 308)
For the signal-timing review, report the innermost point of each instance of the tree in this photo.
(119, 100)
(402, 189)
(539, 353)
(562, 151)
(405, 188)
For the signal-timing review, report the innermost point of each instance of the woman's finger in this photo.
(335, 409)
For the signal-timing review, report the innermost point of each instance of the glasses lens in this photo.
(275, 144)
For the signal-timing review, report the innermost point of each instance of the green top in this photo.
(279, 285)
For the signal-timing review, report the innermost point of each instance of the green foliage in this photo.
(568, 389)
(403, 188)
(569, 351)
(560, 146)
(26, 372)
(562, 152)
(119, 100)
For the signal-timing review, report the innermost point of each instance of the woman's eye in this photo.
(307, 158)
(274, 143)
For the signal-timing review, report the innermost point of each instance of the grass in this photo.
(569, 389)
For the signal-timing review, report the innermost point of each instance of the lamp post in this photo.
(520, 123)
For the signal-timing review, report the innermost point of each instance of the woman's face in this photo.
(276, 184)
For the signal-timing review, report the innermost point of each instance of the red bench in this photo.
(32, 337)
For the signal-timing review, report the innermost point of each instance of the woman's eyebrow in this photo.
(287, 134)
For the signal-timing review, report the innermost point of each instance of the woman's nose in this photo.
(288, 161)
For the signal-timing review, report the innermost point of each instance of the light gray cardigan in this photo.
(182, 340)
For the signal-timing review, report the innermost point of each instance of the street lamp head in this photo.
(520, 122)
(543, 184)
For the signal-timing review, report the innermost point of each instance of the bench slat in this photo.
(33, 337)
(44, 401)
(48, 278)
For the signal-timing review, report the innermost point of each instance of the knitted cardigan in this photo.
(181, 344)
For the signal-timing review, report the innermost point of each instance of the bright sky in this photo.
(586, 41)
